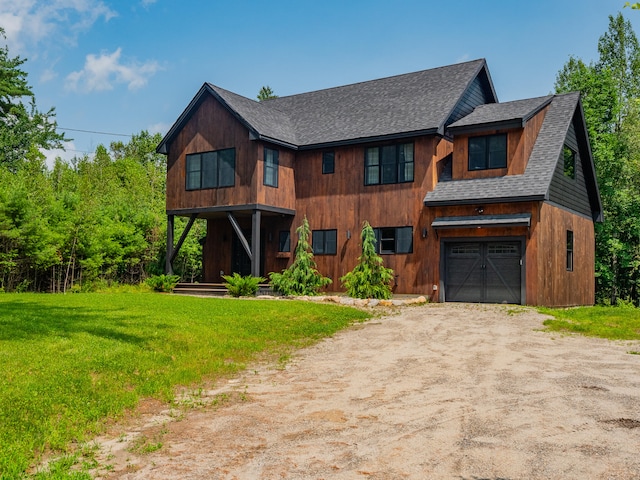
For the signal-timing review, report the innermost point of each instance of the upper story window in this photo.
(324, 242)
(328, 162)
(211, 169)
(270, 167)
(394, 239)
(388, 164)
(569, 162)
(488, 151)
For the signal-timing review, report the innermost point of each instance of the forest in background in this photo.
(99, 220)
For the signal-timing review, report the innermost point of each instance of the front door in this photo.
(483, 271)
(240, 261)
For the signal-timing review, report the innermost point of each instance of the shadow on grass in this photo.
(20, 319)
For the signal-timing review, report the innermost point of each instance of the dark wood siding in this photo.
(478, 93)
(568, 192)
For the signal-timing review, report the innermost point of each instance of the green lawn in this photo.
(614, 323)
(69, 362)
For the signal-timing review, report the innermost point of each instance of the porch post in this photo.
(255, 243)
(168, 268)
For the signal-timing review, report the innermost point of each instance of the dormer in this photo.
(496, 139)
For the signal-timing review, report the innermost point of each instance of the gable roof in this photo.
(392, 107)
(534, 183)
(500, 115)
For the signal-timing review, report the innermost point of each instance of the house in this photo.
(471, 200)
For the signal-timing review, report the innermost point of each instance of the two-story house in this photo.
(471, 200)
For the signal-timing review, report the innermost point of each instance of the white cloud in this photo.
(161, 128)
(101, 72)
(67, 154)
(31, 23)
(146, 3)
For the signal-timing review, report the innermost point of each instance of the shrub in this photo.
(369, 278)
(240, 286)
(163, 283)
(302, 276)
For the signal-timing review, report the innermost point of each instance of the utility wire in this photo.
(91, 131)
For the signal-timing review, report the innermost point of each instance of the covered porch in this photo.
(243, 239)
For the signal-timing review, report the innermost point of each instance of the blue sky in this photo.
(124, 66)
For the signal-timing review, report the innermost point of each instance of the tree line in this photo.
(101, 219)
(610, 88)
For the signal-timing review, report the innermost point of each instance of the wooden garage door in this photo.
(483, 272)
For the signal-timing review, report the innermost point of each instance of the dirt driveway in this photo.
(438, 391)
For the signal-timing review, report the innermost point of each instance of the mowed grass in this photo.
(614, 323)
(69, 363)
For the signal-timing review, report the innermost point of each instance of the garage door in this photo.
(488, 272)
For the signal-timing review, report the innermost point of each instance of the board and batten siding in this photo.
(569, 192)
(478, 93)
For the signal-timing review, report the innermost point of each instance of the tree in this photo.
(369, 278)
(21, 126)
(610, 94)
(266, 93)
(302, 276)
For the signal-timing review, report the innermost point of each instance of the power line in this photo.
(91, 131)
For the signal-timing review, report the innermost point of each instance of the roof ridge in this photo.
(399, 75)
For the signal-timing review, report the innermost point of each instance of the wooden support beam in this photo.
(255, 243)
(168, 267)
(243, 240)
(192, 219)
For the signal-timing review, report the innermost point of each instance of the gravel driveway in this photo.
(437, 391)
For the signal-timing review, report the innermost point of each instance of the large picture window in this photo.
(324, 242)
(211, 169)
(271, 167)
(388, 164)
(489, 151)
(394, 240)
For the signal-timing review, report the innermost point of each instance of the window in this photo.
(489, 151)
(324, 242)
(211, 169)
(388, 164)
(270, 167)
(569, 162)
(569, 250)
(284, 241)
(394, 240)
(328, 162)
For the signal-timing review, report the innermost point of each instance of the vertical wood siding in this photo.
(555, 286)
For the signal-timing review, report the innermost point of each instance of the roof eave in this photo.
(377, 138)
(484, 201)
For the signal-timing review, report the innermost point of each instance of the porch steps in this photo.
(214, 289)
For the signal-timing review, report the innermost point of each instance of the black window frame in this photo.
(271, 166)
(570, 247)
(284, 241)
(328, 162)
(216, 168)
(390, 166)
(487, 152)
(388, 240)
(321, 241)
(569, 162)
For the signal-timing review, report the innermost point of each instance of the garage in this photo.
(488, 271)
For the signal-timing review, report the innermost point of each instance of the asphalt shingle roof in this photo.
(516, 111)
(413, 102)
(534, 183)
